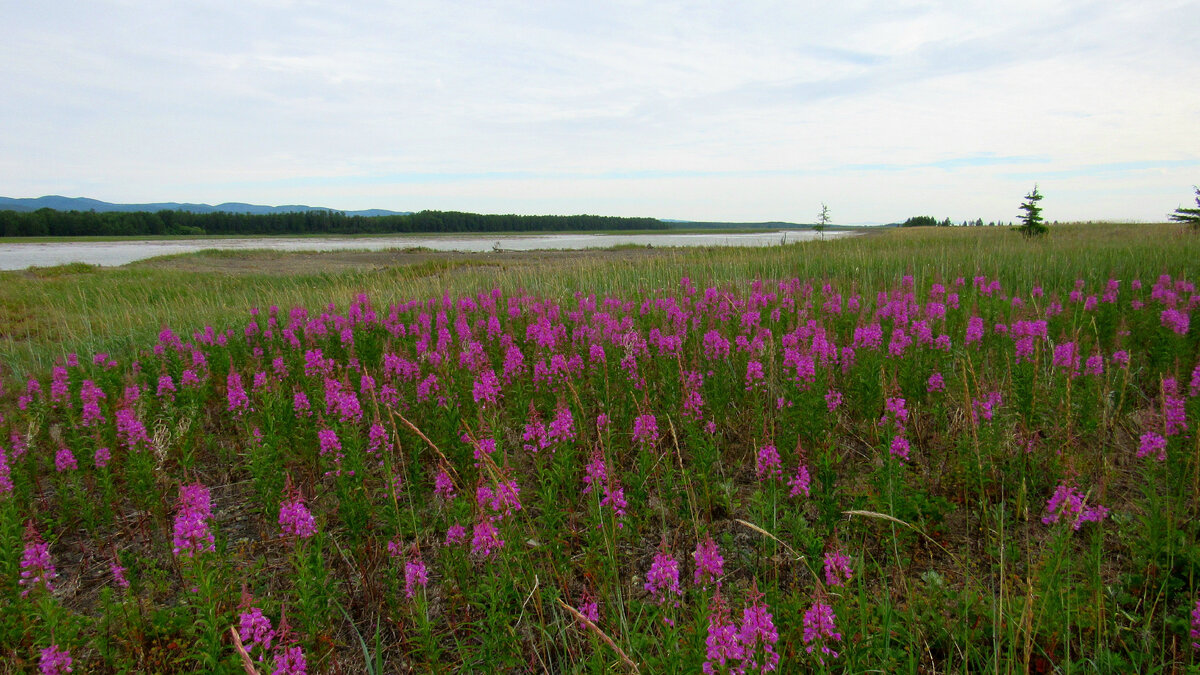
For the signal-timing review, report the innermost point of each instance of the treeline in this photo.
(930, 221)
(52, 223)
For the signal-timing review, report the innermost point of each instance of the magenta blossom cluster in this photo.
(37, 569)
(1154, 445)
(415, 576)
(191, 529)
(645, 429)
(748, 648)
(595, 473)
(614, 498)
(820, 630)
(443, 486)
(64, 460)
(295, 520)
(662, 580)
(55, 661)
(837, 568)
(1196, 626)
(710, 565)
(1069, 505)
(485, 540)
(800, 482)
(767, 464)
(6, 484)
(254, 629)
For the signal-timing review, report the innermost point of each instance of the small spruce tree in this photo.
(1191, 217)
(822, 218)
(1031, 220)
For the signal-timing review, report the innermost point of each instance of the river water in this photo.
(17, 256)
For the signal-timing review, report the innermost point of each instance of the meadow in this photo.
(925, 450)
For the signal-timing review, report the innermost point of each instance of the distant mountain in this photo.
(84, 204)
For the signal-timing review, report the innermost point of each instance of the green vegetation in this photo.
(923, 450)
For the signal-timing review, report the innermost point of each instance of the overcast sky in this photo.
(709, 111)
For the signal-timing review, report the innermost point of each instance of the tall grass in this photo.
(48, 313)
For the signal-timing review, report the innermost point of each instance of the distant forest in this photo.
(51, 223)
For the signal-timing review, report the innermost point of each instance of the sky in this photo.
(731, 111)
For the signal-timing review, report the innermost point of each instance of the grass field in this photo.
(923, 450)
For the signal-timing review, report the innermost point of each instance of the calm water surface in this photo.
(43, 254)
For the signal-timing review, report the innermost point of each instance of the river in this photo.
(18, 256)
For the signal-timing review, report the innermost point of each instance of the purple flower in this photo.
(1066, 356)
(767, 463)
(118, 572)
(301, 405)
(710, 566)
(1174, 412)
(36, 566)
(506, 499)
(723, 645)
(486, 538)
(130, 429)
(332, 446)
(595, 472)
(415, 574)
(900, 448)
(101, 458)
(1176, 320)
(758, 631)
(819, 628)
(191, 531)
(974, 329)
(1153, 444)
(754, 374)
(456, 534)
(936, 383)
(295, 520)
(64, 460)
(54, 661)
(290, 661)
(6, 484)
(377, 438)
(833, 399)
(985, 407)
(236, 393)
(485, 446)
(896, 412)
(614, 496)
(837, 568)
(1068, 503)
(1196, 626)
(800, 482)
(562, 427)
(486, 390)
(590, 610)
(663, 577)
(645, 429)
(443, 486)
(255, 631)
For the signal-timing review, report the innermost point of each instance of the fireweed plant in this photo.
(776, 475)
